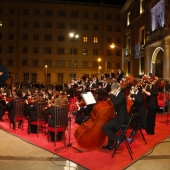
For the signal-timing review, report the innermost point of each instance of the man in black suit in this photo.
(118, 97)
(139, 112)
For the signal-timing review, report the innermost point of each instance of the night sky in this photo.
(113, 2)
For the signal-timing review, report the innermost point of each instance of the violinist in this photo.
(151, 96)
(10, 108)
(139, 111)
(118, 97)
(59, 101)
(34, 113)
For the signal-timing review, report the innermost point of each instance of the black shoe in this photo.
(107, 147)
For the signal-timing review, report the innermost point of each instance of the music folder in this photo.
(88, 98)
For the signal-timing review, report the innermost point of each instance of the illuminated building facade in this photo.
(146, 26)
(35, 44)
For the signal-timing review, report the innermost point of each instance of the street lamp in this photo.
(114, 46)
(73, 37)
(46, 67)
(99, 67)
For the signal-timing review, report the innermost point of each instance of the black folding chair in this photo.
(123, 138)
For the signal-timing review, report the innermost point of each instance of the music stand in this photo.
(69, 137)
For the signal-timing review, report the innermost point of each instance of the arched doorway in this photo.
(157, 62)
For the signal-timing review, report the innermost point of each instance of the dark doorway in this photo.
(159, 64)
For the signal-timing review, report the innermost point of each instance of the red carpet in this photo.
(98, 159)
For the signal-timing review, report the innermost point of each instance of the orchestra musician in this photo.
(151, 96)
(10, 107)
(139, 111)
(118, 97)
(50, 112)
(34, 113)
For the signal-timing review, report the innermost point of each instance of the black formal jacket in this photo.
(120, 108)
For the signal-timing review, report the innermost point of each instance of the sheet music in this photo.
(88, 98)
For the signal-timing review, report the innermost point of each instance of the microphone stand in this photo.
(69, 137)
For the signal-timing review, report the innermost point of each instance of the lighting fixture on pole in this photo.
(114, 46)
(73, 37)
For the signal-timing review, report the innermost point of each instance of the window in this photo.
(36, 11)
(25, 11)
(24, 50)
(25, 24)
(109, 40)
(74, 26)
(142, 36)
(96, 15)
(118, 41)
(141, 6)
(85, 39)
(128, 18)
(26, 76)
(74, 13)
(48, 12)
(118, 65)
(109, 65)
(118, 53)
(128, 46)
(85, 51)
(95, 64)
(35, 50)
(85, 27)
(11, 36)
(11, 10)
(60, 78)
(61, 13)
(47, 50)
(109, 28)
(85, 15)
(36, 24)
(85, 64)
(60, 63)
(118, 17)
(60, 50)
(10, 62)
(11, 23)
(24, 62)
(34, 77)
(25, 37)
(47, 62)
(36, 37)
(61, 25)
(48, 25)
(108, 53)
(35, 63)
(95, 27)
(72, 64)
(95, 52)
(61, 38)
(10, 49)
(95, 39)
(73, 51)
(118, 29)
(109, 16)
(48, 38)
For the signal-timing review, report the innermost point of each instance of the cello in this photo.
(89, 134)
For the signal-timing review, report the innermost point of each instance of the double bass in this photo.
(89, 134)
